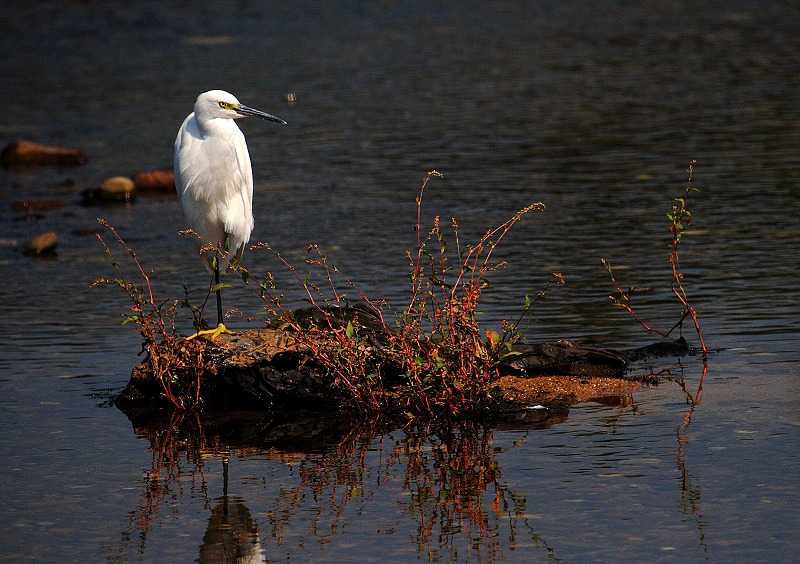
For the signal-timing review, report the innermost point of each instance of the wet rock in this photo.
(115, 190)
(43, 244)
(28, 153)
(155, 181)
(566, 357)
(678, 347)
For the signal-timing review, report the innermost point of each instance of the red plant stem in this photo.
(419, 218)
(677, 232)
(165, 355)
(679, 216)
(626, 303)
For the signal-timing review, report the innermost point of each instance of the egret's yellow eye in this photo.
(225, 105)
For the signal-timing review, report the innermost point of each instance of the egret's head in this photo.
(220, 104)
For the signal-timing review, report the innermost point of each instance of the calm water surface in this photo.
(595, 111)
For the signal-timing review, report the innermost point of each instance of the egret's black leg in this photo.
(214, 333)
(219, 292)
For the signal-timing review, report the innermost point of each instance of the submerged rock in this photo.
(28, 153)
(43, 244)
(155, 181)
(31, 207)
(115, 190)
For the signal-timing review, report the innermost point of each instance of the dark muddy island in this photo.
(269, 369)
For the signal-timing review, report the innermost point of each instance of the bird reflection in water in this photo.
(231, 535)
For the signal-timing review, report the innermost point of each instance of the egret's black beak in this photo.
(247, 111)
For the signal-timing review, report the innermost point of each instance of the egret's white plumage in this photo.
(213, 175)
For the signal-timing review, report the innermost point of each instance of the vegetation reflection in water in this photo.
(446, 480)
(451, 482)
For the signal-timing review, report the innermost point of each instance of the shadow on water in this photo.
(446, 480)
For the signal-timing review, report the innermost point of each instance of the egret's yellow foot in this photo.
(214, 333)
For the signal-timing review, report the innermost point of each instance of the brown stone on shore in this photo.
(155, 181)
(43, 244)
(115, 190)
(28, 153)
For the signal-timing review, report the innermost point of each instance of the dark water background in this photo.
(595, 109)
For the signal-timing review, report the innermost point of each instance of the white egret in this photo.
(214, 179)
